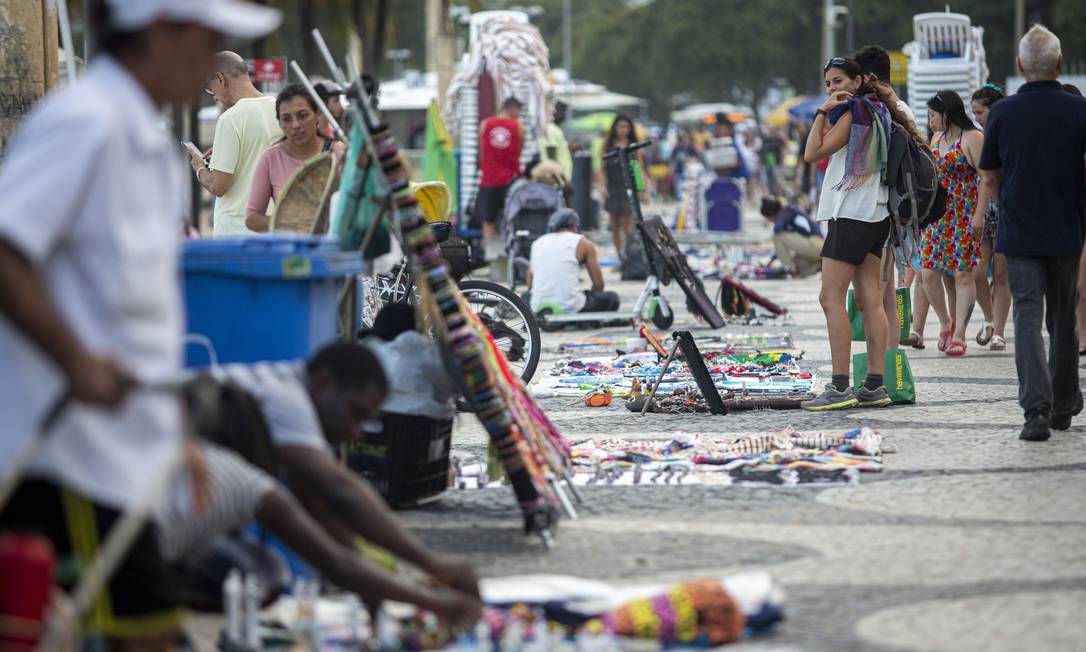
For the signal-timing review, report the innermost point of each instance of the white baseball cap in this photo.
(229, 17)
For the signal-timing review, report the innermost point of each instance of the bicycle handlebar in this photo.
(628, 148)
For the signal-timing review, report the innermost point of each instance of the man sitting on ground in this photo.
(796, 237)
(556, 260)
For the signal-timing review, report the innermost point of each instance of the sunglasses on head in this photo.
(836, 61)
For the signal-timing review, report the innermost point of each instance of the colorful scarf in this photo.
(868, 143)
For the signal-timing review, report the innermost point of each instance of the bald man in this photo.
(246, 128)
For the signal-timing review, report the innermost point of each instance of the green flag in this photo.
(439, 163)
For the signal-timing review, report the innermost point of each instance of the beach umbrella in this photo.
(806, 109)
(779, 117)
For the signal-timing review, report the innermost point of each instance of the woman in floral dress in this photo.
(948, 246)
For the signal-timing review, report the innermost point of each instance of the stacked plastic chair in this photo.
(947, 53)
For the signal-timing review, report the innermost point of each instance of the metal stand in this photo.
(660, 378)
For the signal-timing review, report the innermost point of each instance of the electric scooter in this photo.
(650, 300)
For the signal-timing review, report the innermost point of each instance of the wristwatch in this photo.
(819, 112)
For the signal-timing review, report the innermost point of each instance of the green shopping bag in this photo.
(897, 375)
(904, 315)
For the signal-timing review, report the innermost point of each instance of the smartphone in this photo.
(191, 149)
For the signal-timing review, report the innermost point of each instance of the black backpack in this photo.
(917, 199)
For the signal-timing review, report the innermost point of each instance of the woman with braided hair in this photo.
(995, 302)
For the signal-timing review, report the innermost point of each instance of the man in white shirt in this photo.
(556, 260)
(90, 222)
(245, 129)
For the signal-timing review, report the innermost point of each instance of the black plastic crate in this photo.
(408, 461)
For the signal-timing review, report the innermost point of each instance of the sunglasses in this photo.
(207, 84)
(836, 61)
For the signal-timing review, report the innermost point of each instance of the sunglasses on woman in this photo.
(836, 61)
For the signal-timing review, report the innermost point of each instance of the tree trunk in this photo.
(439, 44)
(376, 55)
(358, 20)
(307, 22)
(260, 45)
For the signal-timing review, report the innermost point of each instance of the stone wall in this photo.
(28, 59)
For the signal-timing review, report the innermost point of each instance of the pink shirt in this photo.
(272, 172)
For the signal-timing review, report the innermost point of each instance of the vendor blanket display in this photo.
(682, 402)
(726, 343)
(767, 373)
(544, 613)
(783, 457)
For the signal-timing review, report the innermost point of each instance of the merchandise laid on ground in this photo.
(782, 457)
(762, 365)
(542, 613)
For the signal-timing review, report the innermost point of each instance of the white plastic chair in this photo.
(942, 33)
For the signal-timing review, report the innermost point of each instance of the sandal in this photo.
(1000, 344)
(984, 335)
(915, 340)
(955, 349)
(944, 337)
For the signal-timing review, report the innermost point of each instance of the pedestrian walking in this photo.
(245, 129)
(852, 128)
(500, 141)
(1034, 155)
(948, 246)
(90, 220)
(995, 301)
(612, 182)
(300, 141)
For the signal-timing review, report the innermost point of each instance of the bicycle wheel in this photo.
(510, 321)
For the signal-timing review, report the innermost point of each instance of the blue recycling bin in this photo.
(268, 297)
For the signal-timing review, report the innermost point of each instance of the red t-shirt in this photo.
(500, 156)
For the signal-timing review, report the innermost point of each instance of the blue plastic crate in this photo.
(267, 297)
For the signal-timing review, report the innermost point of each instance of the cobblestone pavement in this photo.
(970, 539)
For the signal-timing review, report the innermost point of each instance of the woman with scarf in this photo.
(948, 246)
(852, 128)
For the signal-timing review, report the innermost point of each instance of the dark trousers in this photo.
(600, 301)
(1043, 285)
(594, 300)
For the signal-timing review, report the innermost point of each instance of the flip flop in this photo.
(984, 335)
(944, 337)
(955, 349)
(1000, 344)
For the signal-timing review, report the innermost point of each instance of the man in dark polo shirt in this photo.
(1035, 155)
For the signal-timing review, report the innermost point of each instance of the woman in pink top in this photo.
(297, 115)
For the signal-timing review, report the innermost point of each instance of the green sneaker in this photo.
(867, 398)
(830, 399)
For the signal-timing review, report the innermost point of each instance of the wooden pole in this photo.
(28, 60)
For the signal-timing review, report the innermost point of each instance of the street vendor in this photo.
(90, 221)
(310, 410)
(796, 237)
(242, 459)
(556, 260)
